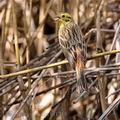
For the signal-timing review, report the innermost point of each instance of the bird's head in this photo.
(63, 19)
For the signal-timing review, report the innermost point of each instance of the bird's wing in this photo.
(71, 40)
(80, 42)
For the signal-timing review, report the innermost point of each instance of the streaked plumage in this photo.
(73, 46)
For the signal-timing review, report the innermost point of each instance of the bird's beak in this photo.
(57, 18)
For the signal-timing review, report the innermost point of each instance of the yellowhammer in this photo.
(73, 47)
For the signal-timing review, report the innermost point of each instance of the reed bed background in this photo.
(36, 82)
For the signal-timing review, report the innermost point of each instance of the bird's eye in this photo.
(63, 16)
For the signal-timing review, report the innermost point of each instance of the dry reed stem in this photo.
(53, 65)
(17, 51)
(99, 61)
(32, 91)
(114, 104)
(2, 67)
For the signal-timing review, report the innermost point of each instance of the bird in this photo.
(73, 47)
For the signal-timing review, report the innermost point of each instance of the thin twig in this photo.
(110, 108)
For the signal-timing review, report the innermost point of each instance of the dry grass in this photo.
(36, 82)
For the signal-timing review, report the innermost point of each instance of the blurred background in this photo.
(36, 82)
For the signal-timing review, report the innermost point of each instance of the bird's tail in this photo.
(81, 81)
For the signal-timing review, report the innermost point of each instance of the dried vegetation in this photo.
(36, 82)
